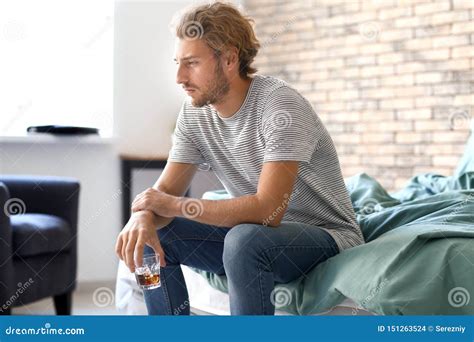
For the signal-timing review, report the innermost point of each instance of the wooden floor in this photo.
(89, 299)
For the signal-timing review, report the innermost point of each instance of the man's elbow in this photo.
(272, 212)
(272, 221)
(274, 224)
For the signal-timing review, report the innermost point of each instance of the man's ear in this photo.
(231, 57)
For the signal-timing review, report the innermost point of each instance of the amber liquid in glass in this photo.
(148, 280)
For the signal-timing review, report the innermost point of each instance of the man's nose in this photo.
(180, 75)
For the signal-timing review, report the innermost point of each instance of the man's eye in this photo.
(192, 63)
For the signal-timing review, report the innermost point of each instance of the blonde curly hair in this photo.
(221, 25)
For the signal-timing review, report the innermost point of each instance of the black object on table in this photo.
(128, 164)
(63, 130)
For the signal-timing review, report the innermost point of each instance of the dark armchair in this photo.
(38, 240)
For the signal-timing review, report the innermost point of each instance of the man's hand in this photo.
(138, 232)
(156, 201)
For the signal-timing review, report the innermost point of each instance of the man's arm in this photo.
(141, 228)
(267, 206)
(174, 180)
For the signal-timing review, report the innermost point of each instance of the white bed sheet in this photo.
(203, 297)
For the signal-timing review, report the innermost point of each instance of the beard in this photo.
(215, 90)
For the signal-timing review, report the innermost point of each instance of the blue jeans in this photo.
(252, 256)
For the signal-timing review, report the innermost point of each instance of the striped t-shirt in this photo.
(274, 123)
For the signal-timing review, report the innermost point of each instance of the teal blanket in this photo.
(419, 255)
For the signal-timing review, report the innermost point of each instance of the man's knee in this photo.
(241, 242)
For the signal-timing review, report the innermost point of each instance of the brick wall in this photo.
(391, 80)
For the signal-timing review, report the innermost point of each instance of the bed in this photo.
(418, 259)
(204, 298)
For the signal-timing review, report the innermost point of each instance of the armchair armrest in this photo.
(46, 195)
(5, 229)
(6, 265)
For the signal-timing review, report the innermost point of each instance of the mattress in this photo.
(204, 299)
(208, 300)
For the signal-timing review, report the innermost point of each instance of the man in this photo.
(289, 209)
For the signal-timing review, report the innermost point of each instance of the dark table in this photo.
(127, 165)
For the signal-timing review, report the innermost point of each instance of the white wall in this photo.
(146, 96)
(146, 102)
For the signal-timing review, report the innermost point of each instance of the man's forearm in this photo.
(255, 208)
(226, 213)
(158, 221)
